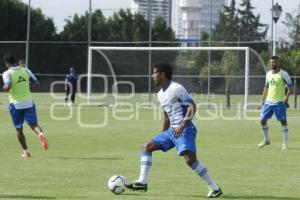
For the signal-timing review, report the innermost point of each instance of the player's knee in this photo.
(263, 122)
(148, 146)
(283, 122)
(33, 126)
(190, 159)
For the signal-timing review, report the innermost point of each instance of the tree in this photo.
(215, 68)
(292, 22)
(250, 28)
(160, 30)
(230, 66)
(228, 27)
(295, 55)
(240, 25)
(75, 28)
(227, 67)
(13, 20)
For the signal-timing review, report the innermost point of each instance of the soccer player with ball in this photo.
(274, 101)
(178, 130)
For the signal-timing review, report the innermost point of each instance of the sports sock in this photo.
(285, 132)
(145, 165)
(25, 150)
(265, 130)
(202, 172)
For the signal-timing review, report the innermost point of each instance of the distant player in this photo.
(178, 130)
(274, 100)
(71, 86)
(21, 107)
(23, 64)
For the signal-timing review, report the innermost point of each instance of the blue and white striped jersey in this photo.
(174, 100)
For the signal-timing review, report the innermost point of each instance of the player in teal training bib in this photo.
(21, 107)
(274, 101)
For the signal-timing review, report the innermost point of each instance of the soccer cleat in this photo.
(264, 143)
(136, 186)
(43, 141)
(284, 147)
(26, 154)
(214, 193)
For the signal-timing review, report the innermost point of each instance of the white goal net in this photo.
(233, 75)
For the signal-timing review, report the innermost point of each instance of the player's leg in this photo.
(285, 134)
(67, 94)
(22, 141)
(191, 159)
(280, 113)
(73, 94)
(21, 138)
(31, 119)
(145, 165)
(146, 161)
(266, 113)
(159, 142)
(17, 116)
(186, 146)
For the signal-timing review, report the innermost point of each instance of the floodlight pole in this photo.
(89, 53)
(209, 54)
(150, 52)
(90, 23)
(28, 33)
(276, 12)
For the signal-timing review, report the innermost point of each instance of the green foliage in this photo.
(120, 26)
(295, 55)
(240, 25)
(13, 20)
(228, 26)
(292, 22)
(249, 24)
(160, 30)
(229, 64)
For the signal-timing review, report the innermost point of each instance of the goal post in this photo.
(102, 49)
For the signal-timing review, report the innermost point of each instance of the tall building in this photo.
(210, 11)
(190, 17)
(158, 8)
(186, 17)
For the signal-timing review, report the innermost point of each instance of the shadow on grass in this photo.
(13, 196)
(256, 197)
(240, 197)
(88, 158)
(161, 195)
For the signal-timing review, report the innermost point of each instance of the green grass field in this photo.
(80, 160)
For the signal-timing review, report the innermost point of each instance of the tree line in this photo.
(52, 52)
(237, 24)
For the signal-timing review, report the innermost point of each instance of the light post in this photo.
(28, 33)
(276, 12)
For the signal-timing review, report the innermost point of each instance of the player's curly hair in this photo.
(166, 68)
(9, 58)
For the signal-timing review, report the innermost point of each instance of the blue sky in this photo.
(60, 10)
